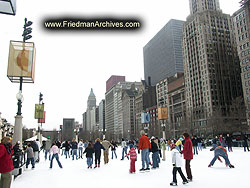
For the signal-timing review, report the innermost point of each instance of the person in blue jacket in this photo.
(98, 147)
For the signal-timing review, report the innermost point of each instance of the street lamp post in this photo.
(104, 132)
(18, 118)
(163, 125)
(76, 131)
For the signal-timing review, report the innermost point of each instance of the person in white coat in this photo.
(177, 163)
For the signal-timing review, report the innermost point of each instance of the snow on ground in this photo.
(115, 174)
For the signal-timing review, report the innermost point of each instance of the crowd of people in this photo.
(184, 147)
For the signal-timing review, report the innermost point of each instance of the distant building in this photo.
(102, 115)
(177, 106)
(68, 129)
(113, 109)
(144, 99)
(114, 80)
(163, 53)
(128, 113)
(91, 112)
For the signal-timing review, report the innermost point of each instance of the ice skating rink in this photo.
(115, 174)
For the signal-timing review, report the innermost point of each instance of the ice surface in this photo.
(115, 174)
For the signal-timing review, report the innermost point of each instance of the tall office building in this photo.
(163, 53)
(68, 129)
(241, 20)
(114, 80)
(211, 67)
(113, 109)
(90, 113)
(102, 116)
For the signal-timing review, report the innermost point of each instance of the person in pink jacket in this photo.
(133, 157)
(55, 154)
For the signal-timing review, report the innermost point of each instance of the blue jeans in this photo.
(32, 162)
(155, 159)
(218, 153)
(200, 146)
(66, 153)
(57, 159)
(195, 150)
(114, 151)
(124, 151)
(62, 151)
(145, 158)
(46, 154)
(89, 161)
(80, 152)
(74, 153)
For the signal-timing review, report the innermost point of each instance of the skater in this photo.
(220, 151)
(124, 148)
(188, 155)
(113, 149)
(30, 156)
(106, 144)
(177, 163)
(80, 148)
(144, 146)
(47, 146)
(164, 148)
(67, 148)
(155, 151)
(89, 154)
(245, 143)
(39, 149)
(133, 157)
(98, 147)
(74, 146)
(55, 154)
(199, 141)
(229, 143)
(6, 162)
(195, 145)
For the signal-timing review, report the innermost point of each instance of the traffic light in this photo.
(40, 97)
(27, 30)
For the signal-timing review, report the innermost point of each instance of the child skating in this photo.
(177, 163)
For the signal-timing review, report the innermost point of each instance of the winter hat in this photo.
(172, 146)
(152, 138)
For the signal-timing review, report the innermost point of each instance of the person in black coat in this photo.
(98, 147)
(245, 143)
(66, 145)
(155, 151)
(89, 154)
(113, 149)
(195, 144)
(229, 142)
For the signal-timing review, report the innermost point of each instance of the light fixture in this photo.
(19, 96)
(8, 7)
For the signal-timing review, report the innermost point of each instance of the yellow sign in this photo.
(39, 111)
(163, 113)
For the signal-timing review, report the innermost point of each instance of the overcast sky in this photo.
(69, 64)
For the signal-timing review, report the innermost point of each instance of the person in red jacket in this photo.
(6, 162)
(144, 146)
(188, 155)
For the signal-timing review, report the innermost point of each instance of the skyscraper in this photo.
(242, 24)
(91, 109)
(211, 67)
(163, 53)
